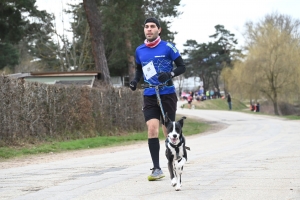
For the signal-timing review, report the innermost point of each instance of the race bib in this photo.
(149, 70)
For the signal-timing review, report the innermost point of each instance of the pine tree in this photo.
(19, 20)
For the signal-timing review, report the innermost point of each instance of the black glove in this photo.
(132, 85)
(164, 76)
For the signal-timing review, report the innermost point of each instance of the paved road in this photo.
(255, 157)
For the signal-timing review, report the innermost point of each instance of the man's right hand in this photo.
(132, 85)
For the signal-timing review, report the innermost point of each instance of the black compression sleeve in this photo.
(180, 66)
(138, 72)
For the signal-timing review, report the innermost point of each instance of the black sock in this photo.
(154, 146)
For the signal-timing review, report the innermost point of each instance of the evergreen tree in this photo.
(122, 28)
(207, 60)
(19, 19)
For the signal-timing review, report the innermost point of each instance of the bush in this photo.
(36, 111)
(284, 108)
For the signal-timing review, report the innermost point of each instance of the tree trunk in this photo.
(130, 60)
(205, 82)
(275, 103)
(94, 21)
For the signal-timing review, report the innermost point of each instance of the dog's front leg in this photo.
(181, 163)
(178, 184)
(172, 173)
(178, 171)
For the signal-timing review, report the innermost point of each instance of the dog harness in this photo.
(176, 147)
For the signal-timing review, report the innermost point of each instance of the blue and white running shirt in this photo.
(162, 57)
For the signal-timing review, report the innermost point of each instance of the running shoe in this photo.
(155, 175)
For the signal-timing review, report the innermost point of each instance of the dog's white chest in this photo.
(174, 153)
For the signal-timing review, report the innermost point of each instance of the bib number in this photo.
(149, 70)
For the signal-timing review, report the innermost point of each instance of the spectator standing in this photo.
(211, 93)
(190, 99)
(192, 94)
(257, 107)
(207, 94)
(217, 94)
(251, 107)
(229, 101)
(201, 91)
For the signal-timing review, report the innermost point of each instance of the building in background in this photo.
(65, 78)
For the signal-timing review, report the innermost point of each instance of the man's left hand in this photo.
(164, 76)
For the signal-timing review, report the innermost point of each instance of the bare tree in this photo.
(272, 62)
(94, 21)
(130, 59)
(180, 81)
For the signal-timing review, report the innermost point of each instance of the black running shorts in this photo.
(152, 109)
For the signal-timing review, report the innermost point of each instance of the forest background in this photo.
(106, 33)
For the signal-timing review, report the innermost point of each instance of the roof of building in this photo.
(79, 78)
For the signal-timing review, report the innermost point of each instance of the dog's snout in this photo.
(174, 135)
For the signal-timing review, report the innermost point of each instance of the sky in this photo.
(200, 16)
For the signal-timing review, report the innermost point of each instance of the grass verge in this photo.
(292, 117)
(218, 104)
(191, 127)
(221, 104)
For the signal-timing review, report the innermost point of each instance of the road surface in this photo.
(254, 157)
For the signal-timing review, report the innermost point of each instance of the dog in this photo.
(175, 151)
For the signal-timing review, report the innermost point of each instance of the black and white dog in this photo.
(175, 150)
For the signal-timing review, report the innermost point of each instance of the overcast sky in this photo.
(200, 16)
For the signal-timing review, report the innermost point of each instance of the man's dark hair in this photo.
(154, 20)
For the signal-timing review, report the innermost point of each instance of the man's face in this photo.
(151, 31)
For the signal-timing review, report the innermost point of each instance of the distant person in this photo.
(201, 91)
(229, 100)
(252, 107)
(184, 95)
(217, 94)
(190, 99)
(211, 93)
(257, 107)
(207, 94)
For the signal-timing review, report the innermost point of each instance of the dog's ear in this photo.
(181, 121)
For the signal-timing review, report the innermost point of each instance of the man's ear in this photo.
(181, 121)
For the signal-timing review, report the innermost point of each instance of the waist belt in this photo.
(169, 83)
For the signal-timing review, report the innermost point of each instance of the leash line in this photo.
(159, 102)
